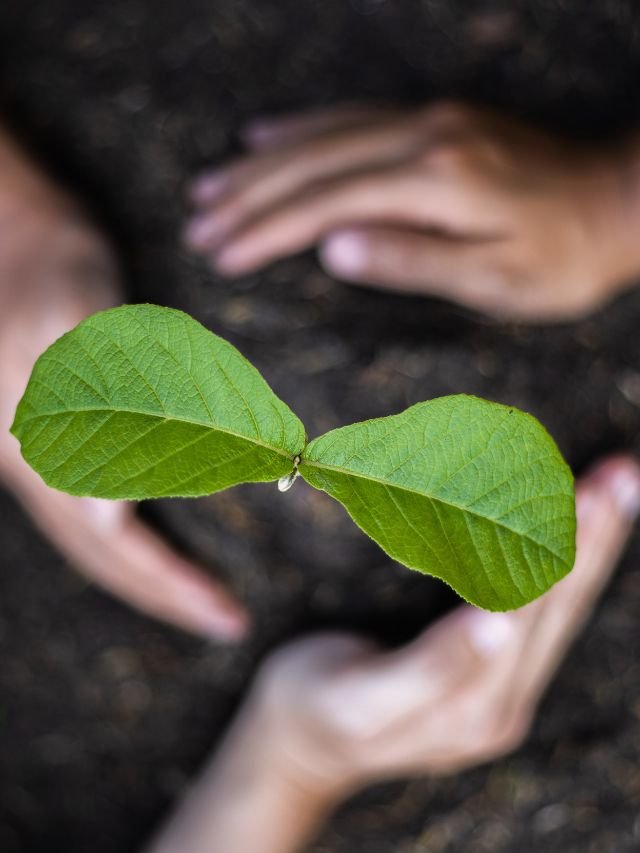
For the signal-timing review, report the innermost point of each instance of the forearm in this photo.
(244, 801)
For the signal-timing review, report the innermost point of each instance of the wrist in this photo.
(285, 755)
(250, 797)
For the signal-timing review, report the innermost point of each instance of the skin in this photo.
(332, 713)
(54, 271)
(463, 204)
(447, 200)
(451, 202)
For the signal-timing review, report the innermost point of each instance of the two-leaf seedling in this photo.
(144, 402)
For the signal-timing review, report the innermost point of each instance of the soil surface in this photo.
(104, 714)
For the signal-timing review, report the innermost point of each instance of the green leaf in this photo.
(472, 492)
(142, 401)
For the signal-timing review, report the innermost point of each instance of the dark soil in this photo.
(105, 714)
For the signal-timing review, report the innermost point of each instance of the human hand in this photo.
(340, 713)
(447, 200)
(54, 271)
(331, 713)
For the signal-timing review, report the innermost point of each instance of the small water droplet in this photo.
(285, 483)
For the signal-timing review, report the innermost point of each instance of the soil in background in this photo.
(104, 715)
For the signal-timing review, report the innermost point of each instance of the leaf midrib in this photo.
(163, 417)
(464, 509)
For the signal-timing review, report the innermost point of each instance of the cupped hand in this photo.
(447, 200)
(54, 271)
(342, 713)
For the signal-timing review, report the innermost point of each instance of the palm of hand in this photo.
(346, 713)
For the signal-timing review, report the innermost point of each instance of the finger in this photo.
(393, 195)
(182, 593)
(496, 664)
(265, 181)
(267, 133)
(518, 670)
(109, 545)
(608, 501)
(415, 262)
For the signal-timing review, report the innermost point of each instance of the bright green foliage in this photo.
(143, 401)
(470, 491)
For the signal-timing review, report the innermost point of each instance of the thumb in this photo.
(449, 652)
(412, 261)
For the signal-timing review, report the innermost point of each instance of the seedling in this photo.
(144, 402)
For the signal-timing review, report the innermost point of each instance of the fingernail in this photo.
(200, 231)
(488, 632)
(208, 187)
(625, 485)
(107, 515)
(345, 253)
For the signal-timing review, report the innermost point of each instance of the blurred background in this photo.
(104, 714)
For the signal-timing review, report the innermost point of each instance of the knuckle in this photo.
(466, 145)
(510, 276)
(511, 279)
(446, 156)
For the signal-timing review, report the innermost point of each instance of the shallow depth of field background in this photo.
(104, 715)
